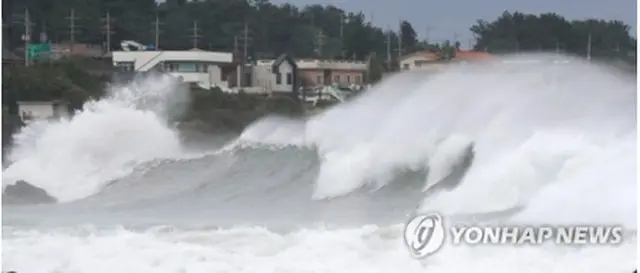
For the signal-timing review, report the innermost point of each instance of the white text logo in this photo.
(425, 234)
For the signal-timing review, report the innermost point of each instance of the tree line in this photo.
(310, 31)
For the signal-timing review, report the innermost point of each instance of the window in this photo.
(289, 79)
(202, 68)
(319, 80)
(405, 66)
(126, 66)
(348, 78)
(278, 78)
(358, 79)
(336, 78)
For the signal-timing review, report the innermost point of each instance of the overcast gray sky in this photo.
(445, 18)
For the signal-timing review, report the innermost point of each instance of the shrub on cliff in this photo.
(217, 110)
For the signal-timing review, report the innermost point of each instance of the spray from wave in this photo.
(76, 157)
(548, 126)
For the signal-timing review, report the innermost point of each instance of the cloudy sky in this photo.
(448, 18)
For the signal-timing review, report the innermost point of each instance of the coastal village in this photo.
(313, 81)
(324, 66)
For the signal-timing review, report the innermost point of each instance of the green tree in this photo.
(273, 29)
(517, 31)
(409, 37)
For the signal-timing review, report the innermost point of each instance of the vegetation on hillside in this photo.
(517, 31)
(222, 111)
(310, 31)
(65, 79)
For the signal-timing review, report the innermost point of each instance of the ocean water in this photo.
(553, 144)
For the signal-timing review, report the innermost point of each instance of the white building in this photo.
(205, 68)
(30, 110)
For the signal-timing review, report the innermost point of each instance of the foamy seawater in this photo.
(550, 144)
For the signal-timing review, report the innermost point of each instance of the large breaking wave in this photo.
(76, 157)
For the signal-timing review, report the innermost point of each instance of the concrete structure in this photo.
(432, 61)
(310, 72)
(326, 72)
(207, 69)
(33, 110)
(83, 50)
(419, 59)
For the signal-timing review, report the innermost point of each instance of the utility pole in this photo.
(27, 36)
(195, 34)
(399, 45)
(589, 47)
(235, 57)
(244, 53)
(342, 51)
(235, 46)
(107, 29)
(72, 28)
(389, 51)
(427, 34)
(319, 42)
(156, 31)
(455, 39)
(246, 40)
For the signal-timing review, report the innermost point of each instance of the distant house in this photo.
(285, 72)
(207, 69)
(471, 56)
(419, 59)
(433, 61)
(332, 72)
(34, 110)
(9, 59)
(308, 72)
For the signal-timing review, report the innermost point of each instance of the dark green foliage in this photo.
(63, 79)
(223, 111)
(517, 31)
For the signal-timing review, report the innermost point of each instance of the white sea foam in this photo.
(367, 249)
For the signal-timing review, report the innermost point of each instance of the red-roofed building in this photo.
(471, 56)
